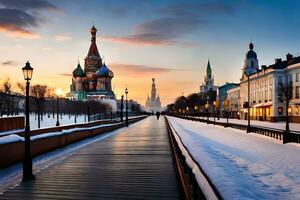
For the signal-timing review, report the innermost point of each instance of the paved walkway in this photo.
(134, 164)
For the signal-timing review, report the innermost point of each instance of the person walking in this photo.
(157, 115)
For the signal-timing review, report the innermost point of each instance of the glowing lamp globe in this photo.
(27, 72)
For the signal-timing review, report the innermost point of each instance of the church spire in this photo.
(93, 51)
(208, 70)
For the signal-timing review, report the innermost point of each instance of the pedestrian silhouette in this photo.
(157, 115)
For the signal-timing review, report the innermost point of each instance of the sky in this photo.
(169, 40)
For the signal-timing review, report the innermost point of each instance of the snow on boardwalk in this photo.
(240, 165)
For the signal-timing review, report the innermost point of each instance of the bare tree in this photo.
(39, 92)
(6, 87)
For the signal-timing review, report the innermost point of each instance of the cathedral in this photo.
(208, 81)
(153, 103)
(94, 81)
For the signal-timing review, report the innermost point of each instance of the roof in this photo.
(294, 61)
(103, 71)
(93, 50)
(251, 53)
(78, 72)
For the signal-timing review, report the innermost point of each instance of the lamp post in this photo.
(207, 109)
(122, 106)
(187, 111)
(215, 104)
(58, 92)
(126, 92)
(248, 72)
(27, 161)
(226, 105)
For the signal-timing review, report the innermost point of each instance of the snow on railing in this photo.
(194, 171)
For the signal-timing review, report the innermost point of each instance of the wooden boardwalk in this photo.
(137, 163)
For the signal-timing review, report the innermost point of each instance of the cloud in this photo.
(139, 70)
(62, 38)
(162, 31)
(66, 74)
(174, 23)
(17, 23)
(196, 9)
(29, 5)
(9, 63)
(18, 18)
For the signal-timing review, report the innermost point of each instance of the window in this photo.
(297, 110)
(252, 63)
(279, 79)
(297, 92)
(297, 77)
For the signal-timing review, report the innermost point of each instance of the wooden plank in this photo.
(137, 163)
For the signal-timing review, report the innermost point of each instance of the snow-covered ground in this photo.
(240, 165)
(50, 122)
(277, 125)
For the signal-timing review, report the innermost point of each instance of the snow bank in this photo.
(10, 139)
(201, 180)
(240, 165)
(276, 125)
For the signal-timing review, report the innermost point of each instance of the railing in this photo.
(279, 134)
(194, 182)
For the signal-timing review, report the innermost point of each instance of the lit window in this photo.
(297, 110)
(290, 109)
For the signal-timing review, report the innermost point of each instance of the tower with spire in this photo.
(94, 81)
(208, 80)
(153, 103)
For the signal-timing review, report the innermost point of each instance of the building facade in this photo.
(222, 94)
(265, 91)
(94, 81)
(153, 103)
(233, 96)
(208, 83)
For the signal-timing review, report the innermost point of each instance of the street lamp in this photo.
(215, 105)
(248, 72)
(122, 106)
(58, 92)
(226, 106)
(27, 161)
(126, 92)
(207, 108)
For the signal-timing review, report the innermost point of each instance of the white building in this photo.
(265, 103)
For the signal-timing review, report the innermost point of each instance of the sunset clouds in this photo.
(19, 18)
(134, 70)
(174, 23)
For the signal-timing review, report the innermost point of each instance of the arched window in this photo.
(252, 63)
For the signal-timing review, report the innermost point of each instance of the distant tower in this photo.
(153, 90)
(153, 103)
(208, 80)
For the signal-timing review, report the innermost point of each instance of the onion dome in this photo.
(251, 53)
(103, 71)
(78, 72)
